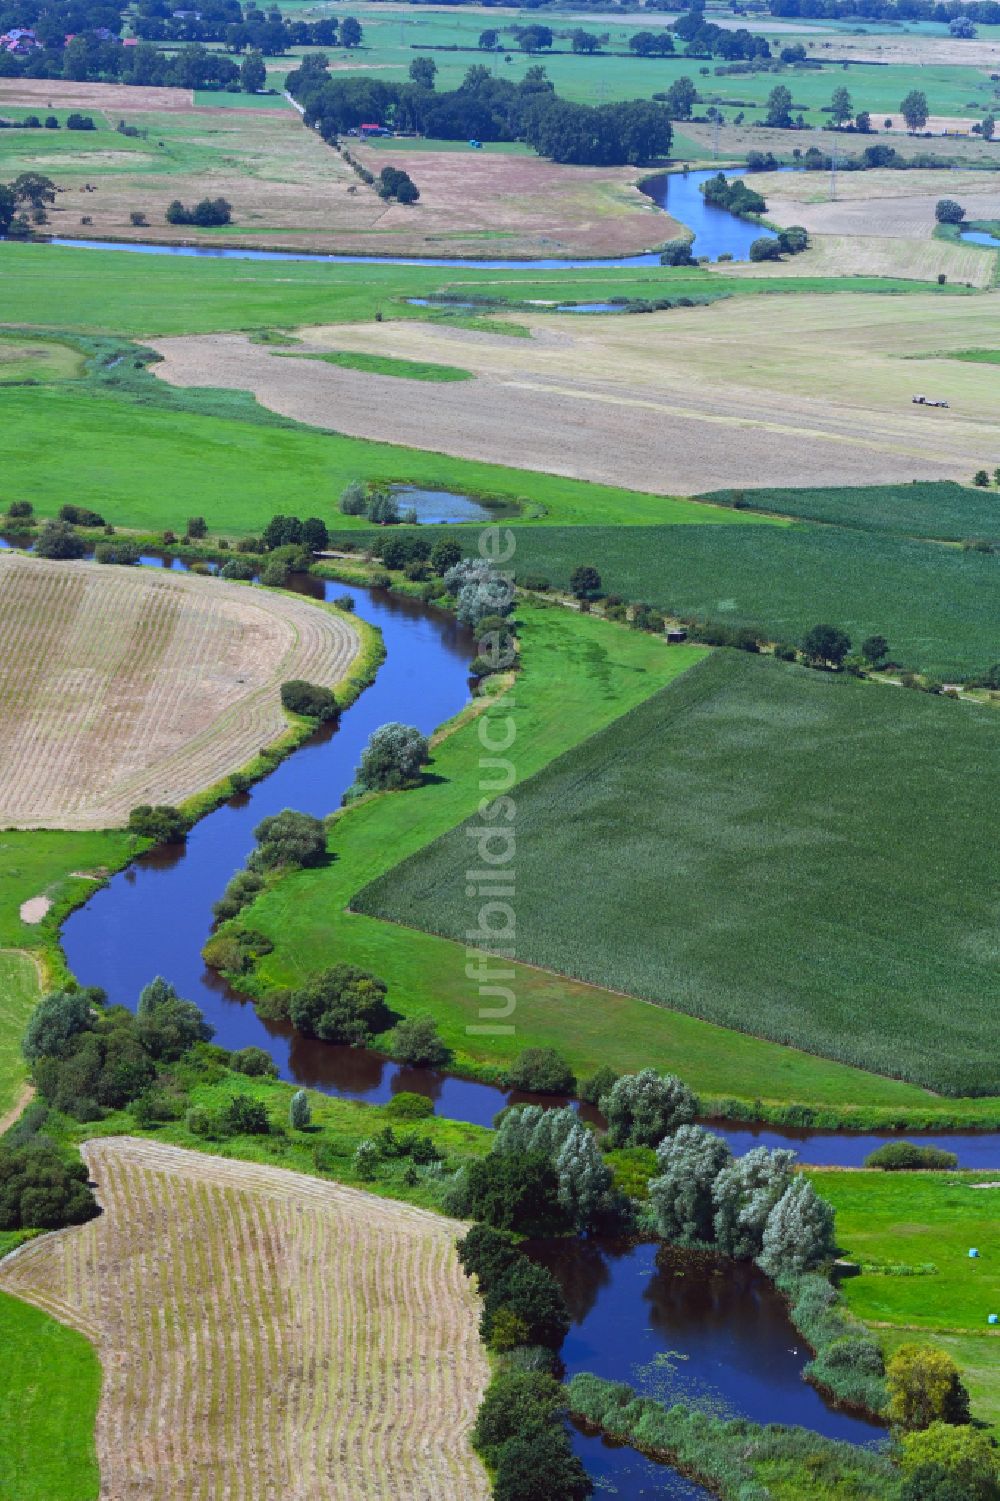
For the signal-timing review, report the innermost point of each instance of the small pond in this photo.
(979, 237)
(434, 507)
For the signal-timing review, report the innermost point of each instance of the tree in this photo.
(533, 38)
(253, 74)
(168, 1026)
(415, 1042)
(841, 107)
(962, 28)
(308, 699)
(58, 540)
(779, 108)
(744, 1193)
(765, 248)
(540, 1466)
(980, 478)
(55, 1024)
(924, 1387)
(159, 821)
(989, 128)
(585, 581)
(299, 1113)
(480, 591)
(641, 1109)
(256, 1063)
(947, 211)
(382, 508)
(863, 122)
(489, 40)
(423, 71)
(393, 758)
(515, 1403)
(826, 646)
(41, 1191)
(394, 183)
(585, 42)
(798, 1234)
(681, 1195)
(519, 1193)
(314, 534)
(914, 110)
(677, 253)
(8, 208)
(793, 240)
(344, 1004)
(584, 1177)
(353, 499)
(444, 555)
(874, 649)
(351, 32)
(541, 1071)
(680, 99)
(34, 189)
(288, 839)
(966, 1457)
(532, 1295)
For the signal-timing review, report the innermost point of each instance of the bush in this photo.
(39, 1190)
(537, 582)
(205, 214)
(345, 602)
(765, 249)
(80, 516)
(255, 1063)
(239, 569)
(165, 824)
(897, 1155)
(20, 509)
(600, 1083)
(407, 1106)
(585, 582)
(79, 122)
(415, 1041)
(959, 1462)
(244, 1116)
(393, 758)
(641, 1109)
(288, 839)
(366, 1160)
(924, 1388)
(241, 890)
(124, 553)
(541, 1071)
(58, 540)
(344, 1004)
(308, 699)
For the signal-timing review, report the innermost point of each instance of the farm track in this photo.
(264, 1334)
(121, 686)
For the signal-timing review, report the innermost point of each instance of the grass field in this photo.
(24, 360)
(42, 862)
(943, 512)
(382, 364)
(125, 686)
(145, 465)
(48, 1401)
(19, 993)
(936, 605)
(687, 399)
(578, 675)
(777, 854)
(240, 1309)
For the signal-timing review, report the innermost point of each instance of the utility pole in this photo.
(833, 175)
(715, 137)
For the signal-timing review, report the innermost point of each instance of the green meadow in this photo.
(943, 511)
(48, 1404)
(386, 364)
(19, 993)
(771, 849)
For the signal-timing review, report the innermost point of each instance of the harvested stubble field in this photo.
(736, 140)
(778, 854)
(265, 1334)
(882, 204)
(679, 401)
(288, 188)
(123, 686)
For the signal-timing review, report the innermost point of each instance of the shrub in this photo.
(344, 1004)
(80, 516)
(981, 478)
(366, 1160)
(20, 509)
(239, 569)
(677, 253)
(967, 1458)
(122, 552)
(167, 1025)
(393, 758)
(541, 1071)
(39, 1190)
(537, 582)
(444, 555)
(345, 602)
(244, 1116)
(201, 1121)
(924, 1388)
(288, 839)
(308, 699)
(641, 1109)
(165, 824)
(299, 1112)
(57, 539)
(600, 1083)
(255, 1063)
(585, 581)
(55, 1025)
(765, 249)
(407, 1106)
(238, 894)
(897, 1155)
(415, 1041)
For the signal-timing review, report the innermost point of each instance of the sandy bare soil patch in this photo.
(264, 1334)
(802, 391)
(34, 909)
(121, 686)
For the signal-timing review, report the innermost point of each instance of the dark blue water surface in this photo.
(681, 1327)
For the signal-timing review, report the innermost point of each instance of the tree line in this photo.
(486, 108)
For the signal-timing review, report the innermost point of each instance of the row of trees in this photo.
(486, 108)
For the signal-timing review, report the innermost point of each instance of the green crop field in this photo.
(578, 675)
(769, 848)
(936, 605)
(944, 511)
(48, 1402)
(19, 992)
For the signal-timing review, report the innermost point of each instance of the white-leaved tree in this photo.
(799, 1232)
(641, 1109)
(681, 1195)
(744, 1194)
